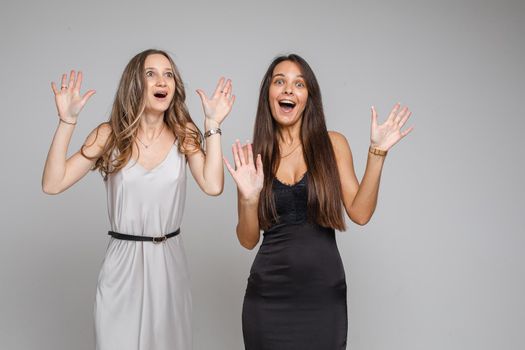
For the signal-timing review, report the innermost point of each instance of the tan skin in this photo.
(60, 172)
(359, 199)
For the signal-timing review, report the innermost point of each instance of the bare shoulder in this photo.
(339, 141)
(97, 139)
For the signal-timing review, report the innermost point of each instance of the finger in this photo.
(227, 87)
(54, 87)
(400, 115)
(87, 96)
(219, 87)
(232, 100)
(406, 132)
(404, 119)
(78, 82)
(229, 167)
(202, 95)
(250, 153)
(259, 168)
(71, 84)
(393, 112)
(236, 159)
(241, 153)
(63, 84)
(374, 116)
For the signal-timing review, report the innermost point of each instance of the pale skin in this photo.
(359, 198)
(61, 172)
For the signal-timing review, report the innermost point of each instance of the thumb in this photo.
(374, 117)
(87, 96)
(259, 169)
(202, 95)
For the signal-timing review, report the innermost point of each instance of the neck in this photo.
(151, 125)
(290, 134)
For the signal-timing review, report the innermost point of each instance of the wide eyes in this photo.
(299, 83)
(150, 73)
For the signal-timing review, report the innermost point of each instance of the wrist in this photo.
(250, 200)
(68, 121)
(211, 124)
(377, 150)
(68, 117)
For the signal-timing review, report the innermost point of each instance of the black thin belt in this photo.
(156, 239)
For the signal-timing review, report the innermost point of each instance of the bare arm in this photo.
(207, 167)
(248, 175)
(60, 173)
(360, 200)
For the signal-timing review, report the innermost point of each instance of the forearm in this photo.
(248, 231)
(365, 200)
(55, 167)
(213, 173)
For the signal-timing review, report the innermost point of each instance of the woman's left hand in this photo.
(220, 104)
(386, 135)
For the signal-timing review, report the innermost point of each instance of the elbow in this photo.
(214, 189)
(47, 189)
(248, 245)
(360, 220)
(247, 242)
(214, 192)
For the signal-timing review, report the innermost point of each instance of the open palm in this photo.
(248, 175)
(384, 136)
(68, 100)
(220, 104)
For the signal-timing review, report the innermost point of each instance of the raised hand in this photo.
(386, 135)
(248, 175)
(68, 99)
(221, 102)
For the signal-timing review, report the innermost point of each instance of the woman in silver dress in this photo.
(143, 298)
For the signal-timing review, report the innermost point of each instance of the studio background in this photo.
(441, 264)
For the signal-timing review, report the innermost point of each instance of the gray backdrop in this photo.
(440, 266)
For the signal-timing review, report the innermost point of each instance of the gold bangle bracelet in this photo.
(377, 151)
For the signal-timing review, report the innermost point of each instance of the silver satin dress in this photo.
(143, 299)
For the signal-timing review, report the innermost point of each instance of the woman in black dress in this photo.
(296, 190)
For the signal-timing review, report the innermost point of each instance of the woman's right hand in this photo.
(68, 100)
(248, 174)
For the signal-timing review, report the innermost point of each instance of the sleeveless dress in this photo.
(296, 293)
(143, 299)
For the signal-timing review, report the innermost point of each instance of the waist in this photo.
(155, 239)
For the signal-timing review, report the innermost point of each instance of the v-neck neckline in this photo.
(294, 184)
(136, 162)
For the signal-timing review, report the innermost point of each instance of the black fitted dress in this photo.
(296, 293)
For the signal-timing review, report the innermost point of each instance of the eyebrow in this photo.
(282, 75)
(153, 68)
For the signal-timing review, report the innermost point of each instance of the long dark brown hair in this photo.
(128, 109)
(324, 188)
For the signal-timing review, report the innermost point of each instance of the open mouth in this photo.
(160, 94)
(286, 105)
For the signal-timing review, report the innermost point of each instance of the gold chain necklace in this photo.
(292, 151)
(154, 140)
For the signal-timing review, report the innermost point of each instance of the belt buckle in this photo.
(159, 239)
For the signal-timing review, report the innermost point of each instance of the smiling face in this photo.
(160, 83)
(287, 93)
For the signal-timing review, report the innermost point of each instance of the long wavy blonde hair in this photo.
(128, 109)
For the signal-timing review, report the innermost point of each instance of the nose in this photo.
(161, 81)
(288, 89)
